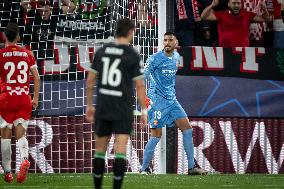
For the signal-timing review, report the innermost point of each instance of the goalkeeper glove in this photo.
(147, 101)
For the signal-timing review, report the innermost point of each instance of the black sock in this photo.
(119, 168)
(98, 172)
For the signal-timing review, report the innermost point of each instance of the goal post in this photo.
(60, 140)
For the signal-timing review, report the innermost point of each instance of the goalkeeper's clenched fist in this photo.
(147, 102)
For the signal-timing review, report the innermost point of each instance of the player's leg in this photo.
(186, 129)
(149, 150)
(103, 130)
(122, 130)
(181, 120)
(6, 151)
(6, 134)
(157, 117)
(20, 135)
(6, 118)
(99, 160)
(22, 142)
(22, 115)
(119, 166)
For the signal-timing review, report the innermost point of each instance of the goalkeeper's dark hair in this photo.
(11, 31)
(170, 33)
(123, 26)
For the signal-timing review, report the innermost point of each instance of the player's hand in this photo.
(35, 103)
(144, 118)
(197, 19)
(262, 6)
(90, 112)
(147, 102)
(215, 3)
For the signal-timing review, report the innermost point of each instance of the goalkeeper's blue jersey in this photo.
(160, 71)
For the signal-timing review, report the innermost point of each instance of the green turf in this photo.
(135, 181)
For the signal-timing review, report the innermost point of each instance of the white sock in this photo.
(6, 152)
(23, 147)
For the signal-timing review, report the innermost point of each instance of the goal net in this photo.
(64, 37)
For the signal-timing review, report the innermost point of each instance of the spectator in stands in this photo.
(268, 29)
(233, 24)
(41, 25)
(256, 30)
(206, 38)
(153, 17)
(144, 13)
(2, 40)
(282, 10)
(278, 24)
(144, 25)
(11, 11)
(188, 21)
(186, 14)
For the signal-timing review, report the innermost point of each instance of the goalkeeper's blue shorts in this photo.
(164, 112)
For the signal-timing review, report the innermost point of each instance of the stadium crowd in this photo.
(224, 23)
(260, 21)
(265, 29)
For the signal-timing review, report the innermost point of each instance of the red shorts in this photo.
(15, 107)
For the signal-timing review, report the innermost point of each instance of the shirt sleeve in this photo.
(32, 60)
(178, 59)
(138, 68)
(149, 67)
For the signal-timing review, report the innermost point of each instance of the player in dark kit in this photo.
(116, 66)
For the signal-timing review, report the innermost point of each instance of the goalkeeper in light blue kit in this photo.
(164, 109)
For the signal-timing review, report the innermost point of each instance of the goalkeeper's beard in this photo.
(168, 50)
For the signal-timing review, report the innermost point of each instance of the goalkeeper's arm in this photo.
(141, 94)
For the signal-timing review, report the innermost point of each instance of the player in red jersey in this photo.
(16, 64)
(233, 24)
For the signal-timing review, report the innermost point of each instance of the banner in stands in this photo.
(91, 20)
(227, 145)
(248, 62)
(199, 95)
(212, 96)
(254, 63)
(236, 145)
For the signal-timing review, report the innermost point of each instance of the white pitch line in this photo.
(50, 187)
(235, 185)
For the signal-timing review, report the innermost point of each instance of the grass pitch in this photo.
(136, 181)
